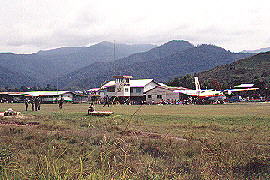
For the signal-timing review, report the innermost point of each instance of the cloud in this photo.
(28, 26)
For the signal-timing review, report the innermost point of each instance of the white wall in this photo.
(147, 87)
(120, 87)
(66, 97)
(126, 93)
(105, 93)
(165, 93)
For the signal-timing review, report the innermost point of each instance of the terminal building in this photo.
(124, 88)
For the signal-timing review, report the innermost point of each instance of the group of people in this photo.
(36, 101)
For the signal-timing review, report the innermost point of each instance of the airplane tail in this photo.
(197, 84)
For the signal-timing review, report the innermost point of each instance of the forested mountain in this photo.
(14, 79)
(255, 69)
(165, 50)
(87, 67)
(97, 73)
(172, 59)
(46, 65)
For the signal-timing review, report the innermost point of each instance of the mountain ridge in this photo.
(53, 63)
(188, 60)
(71, 50)
(73, 69)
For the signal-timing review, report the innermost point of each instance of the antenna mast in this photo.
(113, 50)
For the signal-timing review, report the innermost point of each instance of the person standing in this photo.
(39, 102)
(107, 101)
(32, 104)
(26, 104)
(36, 103)
(61, 102)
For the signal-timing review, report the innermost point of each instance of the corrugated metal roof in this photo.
(108, 84)
(36, 93)
(140, 82)
(46, 93)
(12, 93)
(133, 83)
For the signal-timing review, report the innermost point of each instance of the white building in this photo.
(161, 94)
(51, 96)
(125, 88)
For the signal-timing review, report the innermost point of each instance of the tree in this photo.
(186, 81)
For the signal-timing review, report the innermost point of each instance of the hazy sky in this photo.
(30, 25)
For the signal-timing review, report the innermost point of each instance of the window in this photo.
(149, 96)
(138, 90)
(126, 89)
(159, 96)
(131, 90)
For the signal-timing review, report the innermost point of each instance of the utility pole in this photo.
(57, 86)
(113, 50)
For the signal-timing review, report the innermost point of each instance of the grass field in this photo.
(230, 141)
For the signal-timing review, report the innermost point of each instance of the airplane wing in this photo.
(201, 93)
(229, 91)
(187, 92)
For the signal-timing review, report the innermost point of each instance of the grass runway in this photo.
(230, 141)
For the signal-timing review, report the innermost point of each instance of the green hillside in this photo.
(14, 79)
(255, 69)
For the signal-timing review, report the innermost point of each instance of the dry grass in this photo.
(158, 142)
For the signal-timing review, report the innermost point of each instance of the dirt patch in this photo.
(18, 123)
(18, 120)
(20, 116)
(255, 167)
(153, 150)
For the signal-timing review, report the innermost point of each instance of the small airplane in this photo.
(211, 94)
